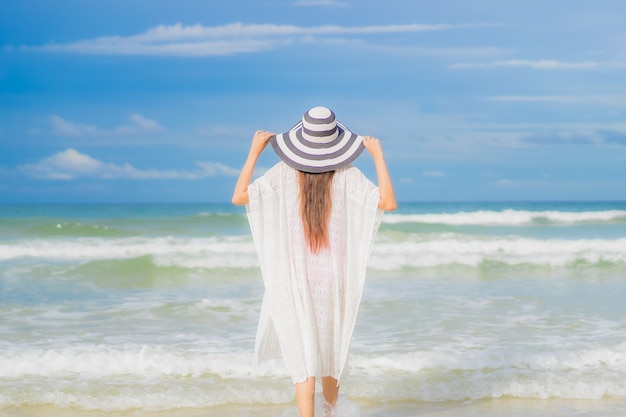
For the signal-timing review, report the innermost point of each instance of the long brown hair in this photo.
(315, 207)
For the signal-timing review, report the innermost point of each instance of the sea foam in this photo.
(472, 251)
(159, 378)
(508, 217)
(413, 251)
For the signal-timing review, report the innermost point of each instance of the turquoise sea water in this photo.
(154, 307)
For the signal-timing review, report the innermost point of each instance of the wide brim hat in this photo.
(318, 143)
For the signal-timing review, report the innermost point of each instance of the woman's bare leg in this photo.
(330, 388)
(305, 396)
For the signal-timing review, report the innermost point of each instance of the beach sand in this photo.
(482, 408)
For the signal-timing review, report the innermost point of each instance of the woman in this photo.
(313, 218)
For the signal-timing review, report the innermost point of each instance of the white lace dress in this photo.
(311, 300)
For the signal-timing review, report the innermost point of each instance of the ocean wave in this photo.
(509, 217)
(152, 361)
(51, 228)
(195, 225)
(454, 249)
(76, 230)
(157, 378)
(228, 252)
(97, 362)
(527, 359)
(413, 251)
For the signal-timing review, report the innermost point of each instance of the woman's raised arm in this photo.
(259, 142)
(387, 200)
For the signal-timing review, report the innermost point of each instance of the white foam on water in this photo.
(153, 362)
(343, 408)
(493, 385)
(416, 251)
(98, 362)
(162, 378)
(524, 358)
(98, 248)
(167, 251)
(141, 395)
(454, 249)
(507, 217)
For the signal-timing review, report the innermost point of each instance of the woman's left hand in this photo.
(259, 141)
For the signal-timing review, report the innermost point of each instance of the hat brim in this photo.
(299, 153)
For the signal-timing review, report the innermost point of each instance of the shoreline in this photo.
(510, 407)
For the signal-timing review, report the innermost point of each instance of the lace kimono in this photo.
(311, 300)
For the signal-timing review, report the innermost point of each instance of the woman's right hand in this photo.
(387, 200)
(373, 146)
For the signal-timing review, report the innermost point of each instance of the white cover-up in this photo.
(311, 300)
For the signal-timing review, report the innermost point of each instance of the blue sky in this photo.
(156, 101)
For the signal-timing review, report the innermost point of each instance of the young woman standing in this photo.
(313, 218)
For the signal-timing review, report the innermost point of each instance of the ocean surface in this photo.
(118, 308)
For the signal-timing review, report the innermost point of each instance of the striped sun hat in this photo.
(319, 143)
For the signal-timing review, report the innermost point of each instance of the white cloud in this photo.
(534, 99)
(234, 38)
(66, 165)
(459, 52)
(545, 181)
(34, 131)
(71, 164)
(211, 169)
(139, 125)
(437, 174)
(323, 3)
(542, 64)
(613, 100)
(508, 183)
(64, 127)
